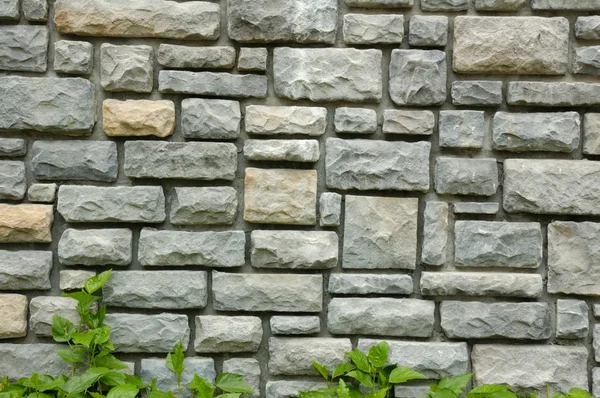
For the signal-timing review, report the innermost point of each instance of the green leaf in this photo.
(96, 282)
(62, 329)
(402, 374)
(156, 393)
(84, 338)
(229, 395)
(114, 378)
(40, 395)
(101, 314)
(486, 389)
(123, 391)
(362, 377)
(231, 382)
(102, 334)
(378, 394)
(384, 375)
(360, 360)
(205, 389)
(84, 300)
(355, 392)
(342, 369)
(322, 370)
(443, 393)
(501, 394)
(342, 390)
(316, 394)
(80, 383)
(579, 393)
(73, 355)
(456, 383)
(96, 395)
(378, 354)
(136, 381)
(175, 359)
(110, 362)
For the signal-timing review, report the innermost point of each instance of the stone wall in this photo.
(278, 181)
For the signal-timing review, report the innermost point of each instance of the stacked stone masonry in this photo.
(280, 181)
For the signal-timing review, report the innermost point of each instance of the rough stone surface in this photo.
(247, 367)
(285, 120)
(42, 193)
(591, 134)
(370, 284)
(381, 317)
(95, 247)
(25, 270)
(24, 48)
(550, 132)
(402, 391)
(35, 10)
(267, 292)
(12, 147)
(74, 279)
(290, 388)
(435, 233)
(212, 84)
(588, 28)
(295, 325)
(210, 118)
(596, 381)
(408, 122)
(477, 93)
(428, 31)
(126, 68)
(25, 223)
(380, 3)
(294, 249)
(13, 316)
(572, 319)
(9, 10)
(476, 208)
(227, 334)
(481, 284)
(330, 209)
(380, 232)
(583, 5)
(138, 18)
(73, 57)
(306, 151)
(41, 310)
(511, 45)
(179, 248)
(553, 94)
(353, 75)
(462, 129)
(12, 180)
(498, 244)
(294, 356)
(418, 77)
(203, 206)
(460, 176)
(444, 5)
(252, 59)
(138, 118)
(373, 29)
(17, 360)
(151, 368)
(355, 120)
(587, 60)
(499, 5)
(186, 57)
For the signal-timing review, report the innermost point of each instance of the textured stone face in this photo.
(204, 206)
(249, 368)
(74, 279)
(428, 31)
(551, 187)
(588, 28)
(476, 208)
(553, 93)
(481, 284)
(408, 122)
(306, 151)
(355, 120)
(353, 75)
(444, 5)
(418, 77)
(43, 308)
(12, 147)
(95, 247)
(35, 10)
(12, 180)
(156, 368)
(252, 59)
(212, 84)
(498, 244)
(294, 249)
(477, 93)
(435, 233)
(290, 388)
(115, 204)
(499, 5)
(370, 284)
(462, 129)
(49, 105)
(267, 292)
(301, 21)
(210, 118)
(591, 133)
(587, 60)
(572, 319)
(13, 316)
(380, 232)
(9, 9)
(295, 325)
(185, 160)
(373, 29)
(294, 356)
(380, 3)
(138, 18)
(42, 193)
(175, 248)
(280, 196)
(227, 334)
(381, 317)
(25, 223)
(285, 120)
(583, 5)
(126, 68)
(377, 165)
(561, 368)
(25, 270)
(26, 359)
(138, 118)
(460, 176)
(511, 45)
(185, 57)
(75, 57)
(24, 48)
(330, 209)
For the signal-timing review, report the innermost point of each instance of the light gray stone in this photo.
(17, 360)
(596, 342)
(330, 209)
(184, 160)
(212, 84)
(380, 232)
(41, 310)
(355, 120)
(126, 68)
(596, 381)
(353, 75)
(294, 325)
(553, 93)
(290, 388)
(402, 391)
(151, 368)
(25, 270)
(511, 45)
(186, 57)
(588, 27)
(294, 249)
(475, 320)
(252, 59)
(591, 134)
(418, 77)
(531, 367)
(95, 247)
(144, 204)
(74, 279)
(582, 5)
(377, 165)
(380, 3)
(444, 5)
(498, 244)
(381, 317)
(176, 248)
(12, 180)
(499, 5)
(487, 208)
(551, 186)
(460, 176)
(477, 93)
(24, 48)
(156, 289)
(294, 356)
(397, 121)
(481, 284)
(285, 120)
(373, 29)
(428, 31)
(267, 292)
(203, 206)
(210, 118)
(462, 129)
(35, 10)
(42, 193)
(432, 359)
(282, 150)
(249, 368)
(587, 60)
(148, 333)
(572, 319)
(75, 160)
(264, 21)
(12, 147)
(138, 18)
(9, 10)
(227, 334)
(435, 233)
(370, 284)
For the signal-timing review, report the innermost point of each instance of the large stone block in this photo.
(481, 284)
(418, 77)
(95, 247)
(13, 316)
(203, 118)
(285, 120)
(462, 176)
(17, 360)
(12, 180)
(294, 356)
(377, 165)
(212, 84)
(352, 75)
(553, 94)
(227, 334)
(25, 223)
(138, 18)
(435, 233)
(42, 309)
(126, 68)
(138, 118)
(25, 270)
(203, 206)
(373, 29)
(151, 368)
(370, 284)
(24, 48)
(186, 57)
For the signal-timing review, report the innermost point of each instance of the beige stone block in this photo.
(138, 118)
(25, 223)
(13, 316)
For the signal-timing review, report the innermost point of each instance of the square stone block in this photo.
(126, 68)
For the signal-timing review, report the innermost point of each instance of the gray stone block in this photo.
(35, 10)
(380, 3)
(588, 27)
(12, 147)
(460, 176)
(373, 29)
(210, 118)
(290, 388)
(572, 319)
(444, 5)
(12, 180)
(397, 121)
(553, 94)
(151, 368)
(596, 381)
(9, 10)
(249, 368)
(435, 233)
(462, 129)
(428, 31)
(370, 284)
(41, 310)
(418, 77)
(587, 60)
(477, 93)
(42, 193)
(306, 151)
(252, 59)
(355, 120)
(591, 134)
(227, 334)
(95, 247)
(17, 360)
(126, 68)
(24, 48)
(330, 209)
(481, 284)
(295, 325)
(294, 356)
(203, 206)
(25, 270)
(487, 208)
(285, 120)
(186, 57)
(574, 5)
(74, 279)
(75, 57)
(499, 5)
(212, 84)
(402, 391)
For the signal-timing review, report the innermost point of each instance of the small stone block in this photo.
(73, 57)
(462, 129)
(126, 68)
(355, 120)
(330, 209)
(42, 193)
(428, 31)
(252, 59)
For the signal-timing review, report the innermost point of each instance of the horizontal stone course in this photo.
(481, 284)
(370, 284)
(212, 84)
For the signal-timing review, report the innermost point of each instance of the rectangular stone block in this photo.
(380, 233)
(487, 208)
(151, 368)
(586, 60)
(216, 334)
(178, 248)
(444, 5)
(126, 68)
(511, 45)
(418, 77)
(481, 284)
(294, 249)
(74, 279)
(12, 180)
(13, 316)
(377, 165)
(588, 28)
(47, 104)
(551, 187)
(74, 57)
(428, 31)
(194, 20)
(572, 319)
(397, 121)
(217, 119)
(294, 356)
(435, 233)
(186, 57)
(42, 309)
(373, 29)
(35, 10)
(249, 368)
(203, 206)
(285, 120)
(17, 360)
(12, 147)
(553, 94)
(95, 247)
(25, 223)
(381, 317)
(25, 270)
(370, 284)
(574, 5)
(144, 204)
(305, 151)
(267, 292)
(355, 120)
(9, 10)
(295, 325)
(477, 93)
(24, 48)
(330, 209)
(184, 160)
(353, 75)
(252, 59)
(462, 129)
(138, 118)
(499, 5)
(380, 3)
(498, 244)
(462, 176)
(290, 388)
(212, 84)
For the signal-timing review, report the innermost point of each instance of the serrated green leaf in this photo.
(73, 355)
(229, 395)
(40, 395)
(487, 389)
(378, 354)
(501, 394)
(84, 300)
(136, 381)
(360, 360)
(354, 392)
(443, 393)
(80, 383)
(84, 338)
(456, 383)
(102, 334)
(109, 361)
(362, 377)
(231, 382)
(123, 391)
(316, 394)
(114, 378)
(175, 359)
(156, 393)
(402, 374)
(384, 375)
(378, 394)
(342, 390)
(96, 282)
(342, 369)
(579, 393)
(323, 371)
(62, 329)
(12, 393)
(204, 388)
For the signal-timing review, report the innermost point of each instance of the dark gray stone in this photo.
(460, 176)
(588, 28)
(76, 57)
(25, 270)
(477, 93)
(370, 284)
(24, 48)
(203, 206)
(462, 129)
(95, 247)
(428, 31)
(126, 68)
(587, 60)
(418, 77)
(212, 84)
(12, 180)
(553, 94)
(12, 147)
(210, 118)
(186, 57)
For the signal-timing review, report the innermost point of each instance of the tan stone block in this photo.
(138, 118)
(13, 316)
(280, 196)
(25, 223)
